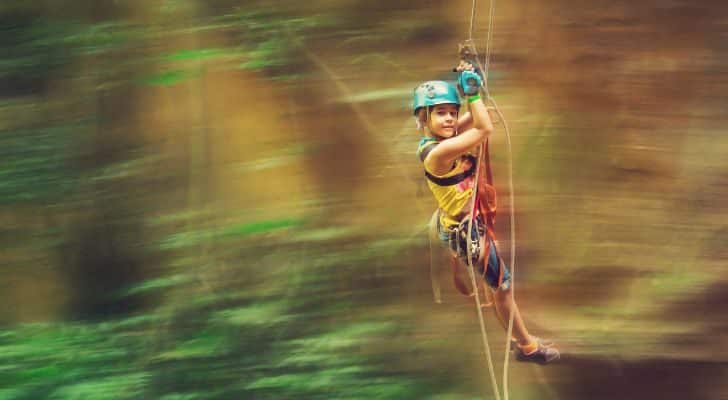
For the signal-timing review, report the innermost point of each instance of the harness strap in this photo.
(450, 180)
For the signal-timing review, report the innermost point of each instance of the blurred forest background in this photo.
(220, 199)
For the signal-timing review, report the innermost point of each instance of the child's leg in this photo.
(487, 297)
(503, 321)
(504, 305)
(497, 276)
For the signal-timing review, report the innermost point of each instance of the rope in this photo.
(511, 315)
(484, 334)
(490, 36)
(472, 21)
(509, 330)
(471, 272)
(432, 236)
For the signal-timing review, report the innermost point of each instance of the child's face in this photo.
(443, 120)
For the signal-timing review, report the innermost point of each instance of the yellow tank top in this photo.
(454, 201)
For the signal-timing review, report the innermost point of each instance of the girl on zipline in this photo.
(445, 150)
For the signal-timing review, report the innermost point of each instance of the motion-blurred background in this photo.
(220, 199)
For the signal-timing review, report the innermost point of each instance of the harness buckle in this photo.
(458, 240)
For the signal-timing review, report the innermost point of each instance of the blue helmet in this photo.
(432, 93)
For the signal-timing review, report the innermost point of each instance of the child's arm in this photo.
(440, 159)
(465, 122)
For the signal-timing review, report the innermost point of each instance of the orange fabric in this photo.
(486, 199)
(488, 204)
(487, 194)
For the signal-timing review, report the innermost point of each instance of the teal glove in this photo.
(470, 83)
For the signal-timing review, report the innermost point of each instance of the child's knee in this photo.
(502, 295)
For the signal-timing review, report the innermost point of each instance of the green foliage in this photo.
(185, 55)
(264, 41)
(117, 387)
(246, 309)
(167, 78)
(235, 341)
(195, 237)
(156, 284)
(34, 48)
(269, 40)
(332, 364)
(266, 54)
(266, 313)
(34, 163)
(260, 227)
(69, 361)
(203, 345)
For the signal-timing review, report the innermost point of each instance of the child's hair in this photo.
(421, 117)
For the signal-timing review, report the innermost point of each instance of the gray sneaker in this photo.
(543, 355)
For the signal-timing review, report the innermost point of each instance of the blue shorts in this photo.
(495, 262)
(493, 272)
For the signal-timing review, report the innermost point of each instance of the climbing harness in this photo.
(468, 245)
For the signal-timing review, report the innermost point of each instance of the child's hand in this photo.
(469, 82)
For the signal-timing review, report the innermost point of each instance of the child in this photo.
(449, 168)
